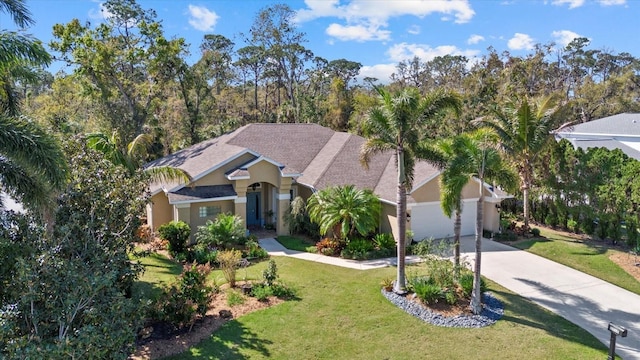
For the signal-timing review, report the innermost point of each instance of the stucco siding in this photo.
(388, 220)
(161, 211)
(218, 177)
(265, 171)
(226, 206)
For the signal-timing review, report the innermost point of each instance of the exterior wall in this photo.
(491, 220)
(264, 171)
(428, 192)
(304, 192)
(159, 211)
(226, 206)
(284, 199)
(218, 176)
(388, 220)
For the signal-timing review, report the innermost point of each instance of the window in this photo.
(209, 211)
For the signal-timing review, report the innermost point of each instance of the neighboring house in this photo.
(620, 131)
(256, 170)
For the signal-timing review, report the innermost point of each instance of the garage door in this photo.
(428, 220)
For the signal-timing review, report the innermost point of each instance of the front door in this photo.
(253, 208)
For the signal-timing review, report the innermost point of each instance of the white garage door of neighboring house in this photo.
(428, 220)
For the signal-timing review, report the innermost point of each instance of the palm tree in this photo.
(524, 130)
(345, 210)
(399, 124)
(476, 156)
(133, 156)
(31, 161)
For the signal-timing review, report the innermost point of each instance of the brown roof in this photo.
(322, 156)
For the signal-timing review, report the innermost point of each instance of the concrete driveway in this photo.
(586, 301)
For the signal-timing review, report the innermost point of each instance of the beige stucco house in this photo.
(256, 170)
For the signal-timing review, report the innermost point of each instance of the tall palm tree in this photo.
(345, 210)
(476, 156)
(133, 156)
(399, 124)
(524, 130)
(31, 162)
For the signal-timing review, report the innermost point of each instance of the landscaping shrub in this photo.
(572, 225)
(234, 298)
(440, 272)
(384, 241)
(535, 232)
(202, 254)
(298, 219)
(254, 251)
(466, 283)
(261, 292)
(229, 261)
(422, 248)
(270, 274)
(226, 231)
(357, 249)
(428, 293)
(632, 231)
(176, 233)
(507, 235)
(182, 303)
(329, 246)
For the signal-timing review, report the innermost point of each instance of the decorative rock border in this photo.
(492, 311)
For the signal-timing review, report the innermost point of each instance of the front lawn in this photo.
(589, 257)
(296, 243)
(341, 314)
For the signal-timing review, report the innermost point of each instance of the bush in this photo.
(254, 251)
(270, 274)
(182, 303)
(226, 231)
(466, 283)
(261, 292)
(507, 235)
(428, 293)
(234, 298)
(329, 246)
(535, 232)
(202, 254)
(632, 231)
(229, 261)
(422, 248)
(384, 241)
(357, 249)
(283, 292)
(572, 225)
(176, 233)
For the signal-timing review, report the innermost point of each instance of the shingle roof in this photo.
(323, 157)
(625, 124)
(608, 144)
(201, 193)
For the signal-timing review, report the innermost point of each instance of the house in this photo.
(620, 131)
(256, 170)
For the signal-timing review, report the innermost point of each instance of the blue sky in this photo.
(380, 33)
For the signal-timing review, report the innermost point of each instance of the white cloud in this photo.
(612, 2)
(357, 32)
(382, 72)
(414, 30)
(404, 51)
(202, 18)
(572, 3)
(564, 37)
(361, 14)
(474, 39)
(520, 41)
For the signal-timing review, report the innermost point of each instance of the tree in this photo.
(524, 130)
(31, 162)
(132, 159)
(398, 125)
(70, 293)
(476, 156)
(346, 210)
(124, 63)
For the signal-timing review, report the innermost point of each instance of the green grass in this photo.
(294, 243)
(589, 258)
(341, 314)
(158, 271)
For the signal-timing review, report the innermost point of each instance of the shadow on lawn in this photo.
(522, 312)
(227, 342)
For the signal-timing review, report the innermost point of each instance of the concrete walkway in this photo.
(586, 301)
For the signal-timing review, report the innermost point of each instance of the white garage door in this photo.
(428, 220)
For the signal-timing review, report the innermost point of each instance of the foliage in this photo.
(184, 302)
(422, 248)
(297, 218)
(427, 292)
(262, 292)
(83, 263)
(358, 249)
(387, 284)
(270, 274)
(345, 210)
(226, 231)
(202, 254)
(535, 232)
(229, 261)
(466, 283)
(384, 241)
(176, 233)
(32, 165)
(234, 298)
(329, 246)
(254, 251)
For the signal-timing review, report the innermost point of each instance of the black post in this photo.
(615, 331)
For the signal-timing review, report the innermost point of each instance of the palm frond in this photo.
(165, 174)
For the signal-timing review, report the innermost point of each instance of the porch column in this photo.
(283, 201)
(241, 201)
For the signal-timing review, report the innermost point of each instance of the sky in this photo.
(381, 33)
